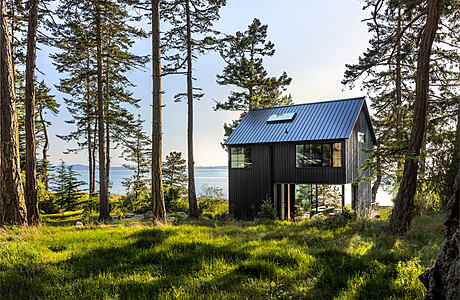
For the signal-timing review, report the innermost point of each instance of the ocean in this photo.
(212, 176)
(204, 176)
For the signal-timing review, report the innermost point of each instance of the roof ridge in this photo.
(308, 103)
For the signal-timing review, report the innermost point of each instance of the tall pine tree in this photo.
(244, 53)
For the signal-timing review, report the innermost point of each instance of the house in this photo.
(275, 151)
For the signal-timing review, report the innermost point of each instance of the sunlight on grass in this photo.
(208, 259)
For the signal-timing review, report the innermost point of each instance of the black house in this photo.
(275, 150)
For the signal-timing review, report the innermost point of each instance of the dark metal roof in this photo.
(327, 120)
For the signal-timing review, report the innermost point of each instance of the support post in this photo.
(282, 202)
(343, 197)
(275, 198)
(288, 202)
(316, 196)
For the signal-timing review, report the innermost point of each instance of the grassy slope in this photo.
(313, 260)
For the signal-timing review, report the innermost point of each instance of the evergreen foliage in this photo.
(66, 187)
(174, 171)
(243, 54)
(137, 150)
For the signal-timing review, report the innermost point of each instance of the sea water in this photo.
(217, 177)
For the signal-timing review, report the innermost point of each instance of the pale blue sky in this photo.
(313, 41)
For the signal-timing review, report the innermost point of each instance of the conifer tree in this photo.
(137, 150)
(174, 171)
(388, 69)
(191, 34)
(31, 160)
(244, 53)
(67, 187)
(12, 203)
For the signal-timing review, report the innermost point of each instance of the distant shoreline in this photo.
(80, 167)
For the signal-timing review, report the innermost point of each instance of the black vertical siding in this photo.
(249, 186)
(356, 158)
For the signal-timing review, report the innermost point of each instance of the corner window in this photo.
(361, 137)
(241, 157)
(319, 155)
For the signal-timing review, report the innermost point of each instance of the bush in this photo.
(267, 211)
(212, 201)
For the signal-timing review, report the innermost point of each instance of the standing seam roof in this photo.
(325, 120)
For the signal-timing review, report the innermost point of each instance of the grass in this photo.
(206, 259)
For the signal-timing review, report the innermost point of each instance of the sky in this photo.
(313, 41)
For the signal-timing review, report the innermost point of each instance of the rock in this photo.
(79, 225)
(442, 280)
(181, 213)
(148, 215)
(171, 219)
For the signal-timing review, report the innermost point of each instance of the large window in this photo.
(319, 155)
(241, 157)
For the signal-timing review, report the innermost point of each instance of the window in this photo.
(337, 155)
(319, 155)
(361, 137)
(241, 157)
(282, 117)
(327, 155)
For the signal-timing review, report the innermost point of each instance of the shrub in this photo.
(267, 211)
(212, 201)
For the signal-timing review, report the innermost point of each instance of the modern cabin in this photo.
(298, 156)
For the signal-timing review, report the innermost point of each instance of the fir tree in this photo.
(137, 151)
(244, 53)
(67, 187)
(191, 34)
(174, 171)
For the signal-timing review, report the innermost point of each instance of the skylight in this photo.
(282, 117)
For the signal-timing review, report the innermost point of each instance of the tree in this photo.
(403, 210)
(67, 187)
(45, 103)
(104, 209)
(388, 69)
(244, 54)
(31, 161)
(158, 201)
(174, 171)
(189, 18)
(12, 204)
(137, 151)
(441, 280)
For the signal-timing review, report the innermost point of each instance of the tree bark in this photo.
(89, 133)
(158, 203)
(403, 210)
(192, 202)
(12, 203)
(376, 185)
(104, 209)
(45, 149)
(442, 280)
(33, 217)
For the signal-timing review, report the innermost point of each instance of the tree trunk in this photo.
(88, 132)
(403, 210)
(398, 89)
(376, 185)
(95, 132)
(12, 203)
(104, 209)
(45, 149)
(442, 280)
(455, 165)
(192, 202)
(107, 151)
(33, 217)
(158, 202)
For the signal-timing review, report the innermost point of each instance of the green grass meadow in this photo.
(204, 259)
